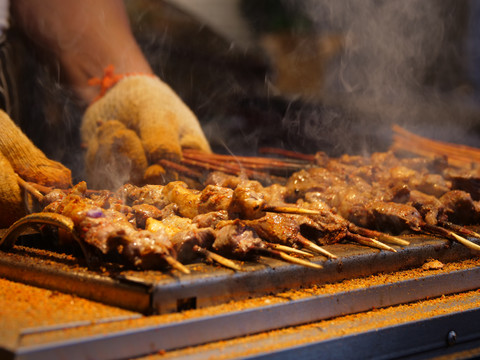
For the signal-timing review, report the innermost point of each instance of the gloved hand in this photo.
(18, 155)
(151, 123)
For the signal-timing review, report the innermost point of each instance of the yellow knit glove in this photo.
(151, 123)
(18, 155)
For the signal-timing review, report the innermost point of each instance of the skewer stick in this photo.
(251, 162)
(226, 168)
(176, 264)
(287, 153)
(370, 242)
(289, 249)
(290, 210)
(451, 235)
(30, 189)
(462, 152)
(465, 242)
(180, 168)
(392, 239)
(288, 258)
(379, 235)
(314, 247)
(460, 229)
(47, 189)
(217, 258)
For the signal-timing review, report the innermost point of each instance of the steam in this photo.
(388, 44)
(389, 51)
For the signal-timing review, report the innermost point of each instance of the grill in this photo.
(268, 295)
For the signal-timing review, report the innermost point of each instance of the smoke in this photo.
(401, 63)
(387, 44)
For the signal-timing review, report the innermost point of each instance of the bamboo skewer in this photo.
(290, 210)
(287, 154)
(246, 161)
(379, 235)
(460, 229)
(451, 235)
(217, 258)
(289, 249)
(370, 242)
(176, 264)
(180, 168)
(30, 189)
(314, 247)
(285, 257)
(226, 168)
(460, 155)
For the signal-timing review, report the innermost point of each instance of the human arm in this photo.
(84, 36)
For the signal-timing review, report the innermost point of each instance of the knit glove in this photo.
(19, 157)
(150, 122)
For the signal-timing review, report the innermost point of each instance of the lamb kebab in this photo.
(103, 222)
(369, 195)
(242, 202)
(328, 227)
(105, 231)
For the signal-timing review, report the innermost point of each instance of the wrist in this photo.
(111, 78)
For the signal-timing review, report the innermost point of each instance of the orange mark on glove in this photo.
(109, 79)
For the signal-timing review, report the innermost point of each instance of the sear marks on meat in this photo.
(248, 202)
(237, 240)
(222, 179)
(315, 179)
(429, 207)
(184, 235)
(277, 228)
(143, 212)
(327, 228)
(210, 219)
(460, 207)
(54, 197)
(148, 194)
(185, 243)
(215, 198)
(111, 233)
(465, 179)
(393, 217)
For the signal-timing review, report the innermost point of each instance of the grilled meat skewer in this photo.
(111, 233)
(189, 241)
(367, 204)
(234, 238)
(330, 227)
